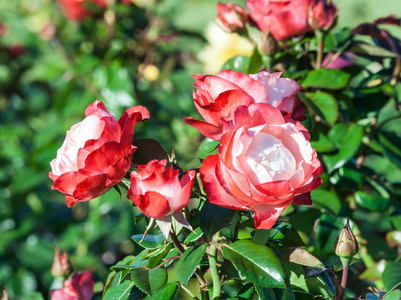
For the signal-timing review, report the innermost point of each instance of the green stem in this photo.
(215, 272)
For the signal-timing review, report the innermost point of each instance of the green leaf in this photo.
(275, 294)
(325, 106)
(382, 165)
(327, 200)
(257, 263)
(286, 234)
(194, 236)
(120, 292)
(301, 257)
(207, 147)
(394, 295)
(166, 293)
(255, 62)
(130, 263)
(371, 50)
(188, 262)
(149, 281)
(239, 63)
(312, 286)
(213, 218)
(391, 275)
(323, 144)
(349, 146)
(371, 202)
(150, 241)
(246, 291)
(326, 78)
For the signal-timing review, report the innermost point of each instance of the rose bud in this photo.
(159, 194)
(61, 263)
(346, 245)
(96, 153)
(283, 18)
(218, 96)
(79, 287)
(265, 162)
(323, 15)
(232, 16)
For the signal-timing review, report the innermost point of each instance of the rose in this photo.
(264, 163)
(76, 10)
(283, 18)
(158, 193)
(232, 16)
(218, 96)
(79, 287)
(96, 153)
(323, 15)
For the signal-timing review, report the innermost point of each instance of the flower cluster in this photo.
(282, 18)
(265, 161)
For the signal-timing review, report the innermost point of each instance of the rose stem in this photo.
(198, 273)
(320, 49)
(214, 271)
(343, 281)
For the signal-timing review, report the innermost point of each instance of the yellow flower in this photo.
(222, 46)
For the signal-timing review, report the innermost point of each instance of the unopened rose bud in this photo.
(232, 16)
(322, 15)
(346, 245)
(61, 264)
(267, 44)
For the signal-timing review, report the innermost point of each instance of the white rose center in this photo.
(267, 159)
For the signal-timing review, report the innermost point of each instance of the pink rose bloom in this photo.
(160, 194)
(79, 287)
(264, 164)
(218, 96)
(322, 15)
(76, 10)
(232, 16)
(283, 18)
(96, 153)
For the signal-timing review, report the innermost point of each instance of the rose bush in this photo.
(218, 96)
(288, 18)
(79, 287)
(96, 153)
(232, 16)
(160, 194)
(264, 163)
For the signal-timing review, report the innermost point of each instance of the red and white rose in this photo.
(218, 96)
(264, 164)
(96, 153)
(160, 194)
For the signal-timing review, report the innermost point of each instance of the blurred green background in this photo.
(50, 70)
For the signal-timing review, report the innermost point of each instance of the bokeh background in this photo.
(51, 68)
